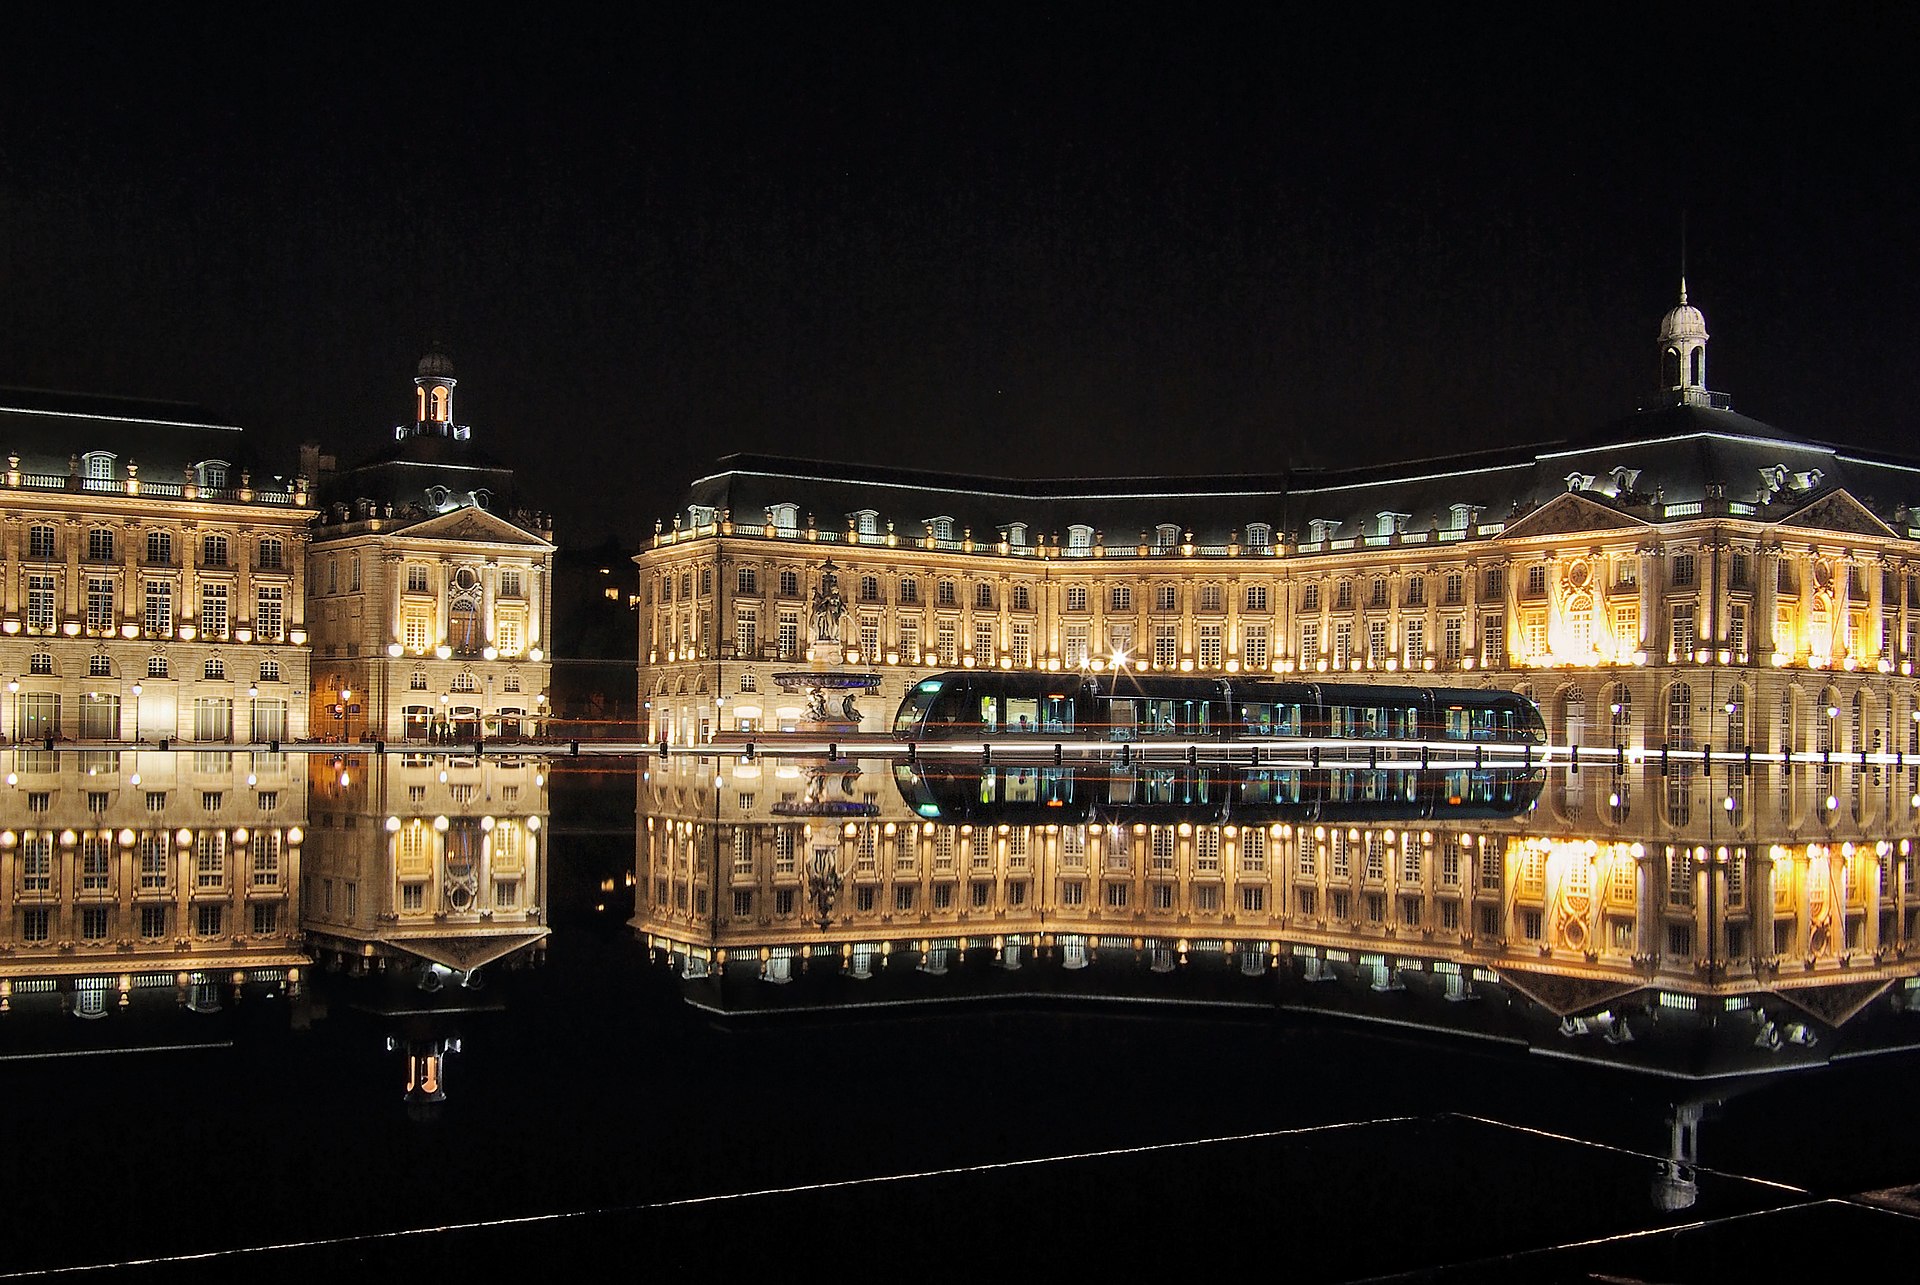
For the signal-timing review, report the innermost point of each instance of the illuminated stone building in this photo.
(154, 577)
(431, 610)
(1616, 896)
(430, 587)
(154, 593)
(1685, 576)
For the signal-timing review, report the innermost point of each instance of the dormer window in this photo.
(1166, 535)
(482, 498)
(1320, 529)
(1580, 481)
(1017, 534)
(866, 521)
(1392, 523)
(97, 466)
(700, 515)
(940, 528)
(1462, 516)
(1808, 480)
(1624, 479)
(1259, 535)
(213, 474)
(1079, 539)
(785, 517)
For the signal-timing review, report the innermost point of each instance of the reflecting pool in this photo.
(432, 1010)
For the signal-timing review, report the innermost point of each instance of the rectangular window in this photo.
(1166, 646)
(1683, 570)
(1493, 641)
(1342, 644)
(40, 604)
(1020, 645)
(1309, 643)
(1682, 640)
(1256, 597)
(1454, 644)
(983, 642)
(158, 616)
(1211, 651)
(1075, 653)
(1415, 643)
(269, 615)
(213, 611)
(100, 604)
(1253, 647)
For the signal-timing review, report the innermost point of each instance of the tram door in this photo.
(1125, 726)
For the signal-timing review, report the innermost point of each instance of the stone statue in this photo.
(828, 605)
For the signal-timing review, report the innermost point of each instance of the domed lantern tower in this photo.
(1683, 353)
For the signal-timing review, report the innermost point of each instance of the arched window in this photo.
(213, 474)
(96, 467)
(1680, 716)
(1579, 618)
(1736, 711)
(1670, 367)
(1166, 535)
(785, 517)
(1079, 539)
(1694, 377)
(1573, 716)
(1259, 535)
(420, 404)
(1823, 721)
(442, 404)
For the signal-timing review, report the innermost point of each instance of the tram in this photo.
(999, 706)
(954, 791)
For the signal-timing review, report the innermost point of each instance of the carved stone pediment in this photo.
(1838, 511)
(1571, 514)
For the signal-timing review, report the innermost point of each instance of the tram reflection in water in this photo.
(1123, 706)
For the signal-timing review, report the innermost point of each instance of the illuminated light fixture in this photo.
(1639, 657)
(1186, 666)
(1006, 662)
(893, 658)
(346, 693)
(1321, 664)
(533, 823)
(394, 649)
(440, 823)
(1729, 803)
(68, 838)
(445, 652)
(1832, 803)
(8, 838)
(1427, 663)
(1779, 660)
(252, 690)
(134, 779)
(12, 626)
(966, 662)
(486, 823)
(489, 653)
(183, 836)
(240, 835)
(137, 689)
(71, 629)
(126, 838)
(298, 637)
(393, 825)
(243, 635)
(346, 779)
(536, 655)
(187, 633)
(129, 631)
(1726, 657)
(295, 834)
(252, 779)
(13, 684)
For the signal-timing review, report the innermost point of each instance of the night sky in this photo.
(1031, 240)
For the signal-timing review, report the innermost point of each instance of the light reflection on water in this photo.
(1385, 944)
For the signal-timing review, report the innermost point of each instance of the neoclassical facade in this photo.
(154, 593)
(431, 602)
(1684, 576)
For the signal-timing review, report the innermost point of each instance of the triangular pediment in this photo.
(477, 525)
(1564, 995)
(1838, 511)
(1570, 514)
(464, 952)
(1834, 1003)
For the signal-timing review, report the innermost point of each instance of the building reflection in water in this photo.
(1700, 923)
(159, 886)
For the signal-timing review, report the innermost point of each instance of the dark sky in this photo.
(1027, 240)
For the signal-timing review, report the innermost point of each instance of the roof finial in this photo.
(1683, 255)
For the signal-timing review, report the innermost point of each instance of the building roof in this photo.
(1654, 465)
(47, 430)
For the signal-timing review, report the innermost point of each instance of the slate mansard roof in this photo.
(1652, 466)
(47, 430)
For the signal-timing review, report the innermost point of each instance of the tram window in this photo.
(989, 713)
(988, 778)
(1023, 714)
(1023, 785)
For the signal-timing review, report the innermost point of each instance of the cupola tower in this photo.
(433, 395)
(1683, 354)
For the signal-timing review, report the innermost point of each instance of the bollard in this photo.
(573, 748)
(1059, 755)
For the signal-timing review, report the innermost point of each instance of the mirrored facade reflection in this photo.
(147, 880)
(144, 877)
(1703, 920)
